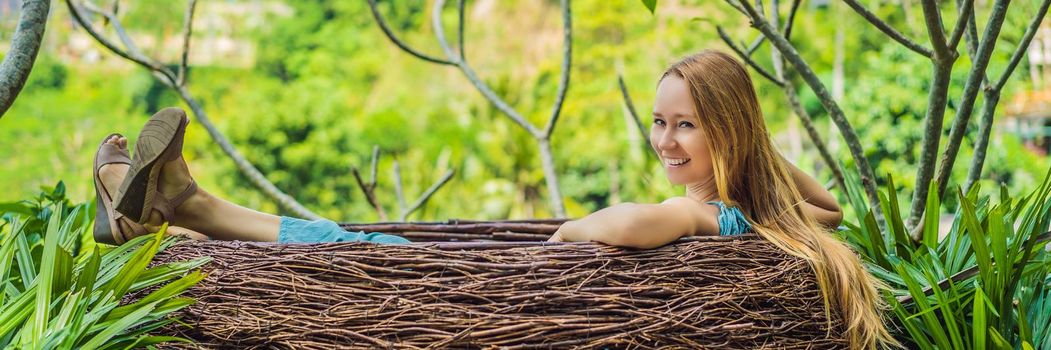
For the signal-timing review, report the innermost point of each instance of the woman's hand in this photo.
(562, 232)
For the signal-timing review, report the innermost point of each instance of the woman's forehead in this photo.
(673, 98)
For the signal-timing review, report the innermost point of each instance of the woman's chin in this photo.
(675, 180)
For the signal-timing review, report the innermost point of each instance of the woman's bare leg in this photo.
(211, 215)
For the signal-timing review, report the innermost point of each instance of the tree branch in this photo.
(563, 83)
(785, 48)
(187, 32)
(394, 38)
(747, 59)
(887, 29)
(970, 94)
(18, 62)
(631, 107)
(398, 192)
(132, 55)
(992, 96)
(459, 28)
(167, 77)
(1023, 45)
(439, 33)
(787, 29)
(793, 100)
(961, 23)
(427, 194)
(937, 99)
(368, 189)
(933, 19)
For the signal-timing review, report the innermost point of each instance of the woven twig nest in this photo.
(711, 292)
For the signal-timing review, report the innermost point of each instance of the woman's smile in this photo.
(675, 162)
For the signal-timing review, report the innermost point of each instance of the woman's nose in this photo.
(666, 140)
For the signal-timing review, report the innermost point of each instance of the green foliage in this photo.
(984, 284)
(59, 294)
(324, 86)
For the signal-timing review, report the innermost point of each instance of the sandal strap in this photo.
(166, 206)
(136, 228)
(111, 154)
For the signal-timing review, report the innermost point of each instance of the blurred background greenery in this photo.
(305, 89)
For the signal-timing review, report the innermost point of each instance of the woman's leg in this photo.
(206, 213)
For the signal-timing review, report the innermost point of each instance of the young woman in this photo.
(707, 130)
(709, 134)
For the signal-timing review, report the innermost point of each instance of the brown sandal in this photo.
(160, 141)
(107, 220)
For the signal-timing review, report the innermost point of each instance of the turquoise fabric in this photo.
(731, 221)
(322, 231)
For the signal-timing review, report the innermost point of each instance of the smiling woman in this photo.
(710, 136)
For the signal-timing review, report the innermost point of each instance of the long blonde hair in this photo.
(751, 175)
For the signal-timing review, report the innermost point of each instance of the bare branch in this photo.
(932, 17)
(631, 107)
(961, 23)
(460, 9)
(937, 100)
(427, 194)
(187, 33)
(785, 48)
(563, 83)
(793, 100)
(18, 62)
(887, 29)
(755, 44)
(398, 192)
(394, 38)
(368, 188)
(499, 103)
(547, 162)
(970, 94)
(541, 136)
(787, 29)
(747, 59)
(981, 145)
(992, 96)
(167, 77)
(373, 165)
(1027, 38)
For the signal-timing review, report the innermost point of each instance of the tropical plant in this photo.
(61, 294)
(984, 284)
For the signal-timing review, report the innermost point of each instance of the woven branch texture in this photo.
(714, 293)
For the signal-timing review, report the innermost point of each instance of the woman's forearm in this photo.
(820, 203)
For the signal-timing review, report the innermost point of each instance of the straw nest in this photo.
(485, 285)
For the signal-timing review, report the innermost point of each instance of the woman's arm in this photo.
(820, 203)
(642, 225)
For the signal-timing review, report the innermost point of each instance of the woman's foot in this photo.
(113, 174)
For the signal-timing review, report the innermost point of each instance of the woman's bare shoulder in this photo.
(704, 216)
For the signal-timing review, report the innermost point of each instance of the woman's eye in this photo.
(658, 122)
(685, 124)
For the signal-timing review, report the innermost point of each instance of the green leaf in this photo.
(136, 265)
(650, 5)
(45, 280)
(119, 326)
(931, 217)
(978, 323)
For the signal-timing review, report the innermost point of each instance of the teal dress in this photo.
(731, 220)
(324, 231)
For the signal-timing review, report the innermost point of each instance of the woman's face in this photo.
(676, 135)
